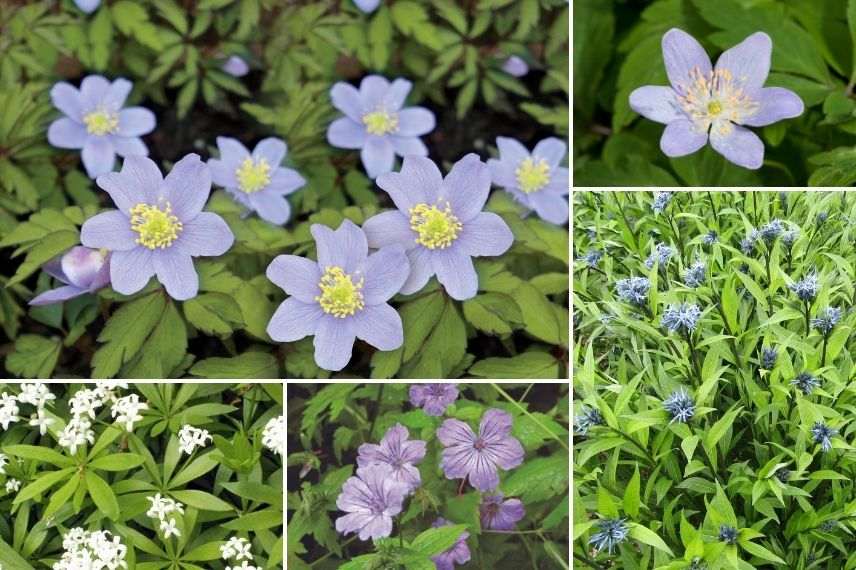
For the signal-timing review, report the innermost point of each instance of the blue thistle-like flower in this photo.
(710, 238)
(772, 230)
(592, 257)
(680, 406)
(633, 290)
(661, 200)
(829, 526)
(612, 533)
(588, 417)
(806, 383)
(768, 358)
(789, 237)
(661, 253)
(807, 288)
(783, 474)
(728, 534)
(694, 275)
(681, 317)
(827, 319)
(822, 434)
(821, 218)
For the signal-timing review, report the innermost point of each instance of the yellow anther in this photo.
(532, 174)
(253, 175)
(156, 228)
(340, 295)
(101, 122)
(380, 122)
(436, 228)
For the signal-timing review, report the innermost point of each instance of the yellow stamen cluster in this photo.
(101, 122)
(157, 228)
(380, 122)
(436, 228)
(715, 99)
(253, 175)
(340, 295)
(532, 174)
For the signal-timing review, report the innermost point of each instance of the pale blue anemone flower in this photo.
(367, 6)
(515, 66)
(88, 6)
(235, 66)
(83, 270)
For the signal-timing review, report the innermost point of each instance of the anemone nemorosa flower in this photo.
(633, 290)
(587, 418)
(591, 257)
(459, 553)
(433, 398)
(807, 288)
(159, 227)
(467, 455)
(499, 514)
(611, 533)
(397, 454)
(716, 103)
(88, 6)
(340, 297)
(694, 275)
(367, 6)
(823, 434)
(256, 180)
(534, 179)
(772, 230)
(710, 238)
(96, 122)
(680, 406)
(682, 317)
(661, 200)
(827, 319)
(440, 223)
(375, 122)
(806, 383)
(661, 254)
(515, 66)
(728, 534)
(235, 66)
(83, 270)
(768, 357)
(370, 500)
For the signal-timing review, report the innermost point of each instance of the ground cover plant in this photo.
(223, 188)
(423, 476)
(146, 476)
(768, 84)
(713, 384)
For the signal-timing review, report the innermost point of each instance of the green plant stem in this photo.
(678, 240)
(807, 318)
(525, 412)
(377, 407)
(823, 357)
(329, 554)
(647, 455)
(715, 209)
(693, 357)
(586, 560)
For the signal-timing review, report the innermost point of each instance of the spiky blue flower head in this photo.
(806, 383)
(612, 533)
(768, 357)
(633, 290)
(588, 417)
(772, 230)
(661, 253)
(822, 434)
(821, 218)
(710, 238)
(807, 288)
(680, 406)
(661, 200)
(789, 237)
(783, 474)
(681, 317)
(694, 275)
(747, 244)
(827, 319)
(697, 564)
(728, 534)
(829, 526)
(592, 257)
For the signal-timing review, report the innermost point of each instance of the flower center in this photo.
(714, 108)
(480, 444)
(716, 99)
(253, 175)
(101, 123)
(157, 228)
(380, 122)
(532, 174)
(340, 296)
(436, 228)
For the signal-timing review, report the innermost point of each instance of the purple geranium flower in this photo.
(515, 66)
(459, 553)
(235, 66)
(367, 6)
(535, 180)
(96, 122)
(497, 514)
(433, 398)
(716, 102)
(371, 499)
(477, 457)
(375, 122)
(341, 296)
(88, 6)
(256, 181)
(83, 270)
(159, 227)
(396, 454)
(440, 223)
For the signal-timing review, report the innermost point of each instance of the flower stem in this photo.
(517, 405)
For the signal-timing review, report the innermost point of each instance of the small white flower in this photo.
(91, 551)
(237, 548)
(12, 485)
(8, 410)
(76, 433)
(244, 566)
(127, 409)
(169, 529)
(190, 438)
(273, 436)
(36, 394)
(86, 402)
(4, 460)
(40, 420)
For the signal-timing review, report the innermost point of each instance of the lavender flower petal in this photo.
(487, 235)
(385, 272)
(206, 235)
(98, 156)
(681, 138)
(415, 121)
(67, 133)
(466, 187)
(739, 145)
(187, 186)
(57, 295)
(109, 230)
(775, 104)
(455, 271)
(344, 132)
(378, 156)
(388, 228)
(748, 62)
(135, 121)
(433, 398)
(380, 326)
(657, 103)
(684, 58)
(174, 269)
(130, 270)
(334, 342)
(294, 320)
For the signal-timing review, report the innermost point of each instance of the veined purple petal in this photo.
(139, 181)
(739, 145)
(334, 342)
(129, 146)
(380, 326)
(176, 273)
(397, 454)
(684, 59)
(187, 187)
(405, 146)
(67, 133)
(110, 230)
(466, 187)
(495, 424)
(485, 234)
(297, 276)
(389, 228)
(346, 98)
(681, 138)
(345, 247)
(776, 103)
(80, 265)
(415, 121)
(497, 514)
(98, 156)
(418, 183)
(57, 295)
(421, 270)
(455, 432)
(272, 149)
(131, 270)
(206, 234)
(656, 103)
(433, 398)
(455, 271)
(385, 272)
(285, 181)
(67, 99)
(748, 62)
(345, 132)
(135, 122)
(294, 320)
(378, 156)
(371, 498)
(515, 66)
(502, 173)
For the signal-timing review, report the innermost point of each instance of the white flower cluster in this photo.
(85, 405)
(4, 460)
(161, 509)
(8, 410)
(94, 550)
(273, 436)
(13, 485)
(36, 394)
(127, 409)
(77, 433)
(238, 548)
(189, 438)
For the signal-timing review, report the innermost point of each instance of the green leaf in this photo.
(125, 332)
(102, 495)
(214, 313)
(419, 317)
(42, 483)
(531, 364)
(246, 365)
(493, 313)
(117, 462)
(436, 540)
(760, 552)
(538, 479)
(200, 466)
(11, 559)
(259, 520)
(718, 430)
(34, 356)
(631, 495)
(39, 454)
(649, 537)
(202, 500)
(851, 24)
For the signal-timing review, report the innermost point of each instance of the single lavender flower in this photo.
(807, 288)
(433, 398)
(768, 358)
(772, 230)
(466, 455)
(340, 297)
(611, 533)
(716, 103)
(534, 179)
(440, 223)
(396, 454)
(822, 434)
(497, 514)
(376, 123)
(367, 6)
(83, 271)
(633, 290)
(591, 258)
(827, 319)
(587, 418)
(682, 317)
(728, 534)
(235, 66)
(159, 227)
(661, 253)
(661, 200)
(370, 500)
(783, 474)
(710, 238)
(515, 66)
(694, 275)
(680, 406)
(806, 383)
(459, 553)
